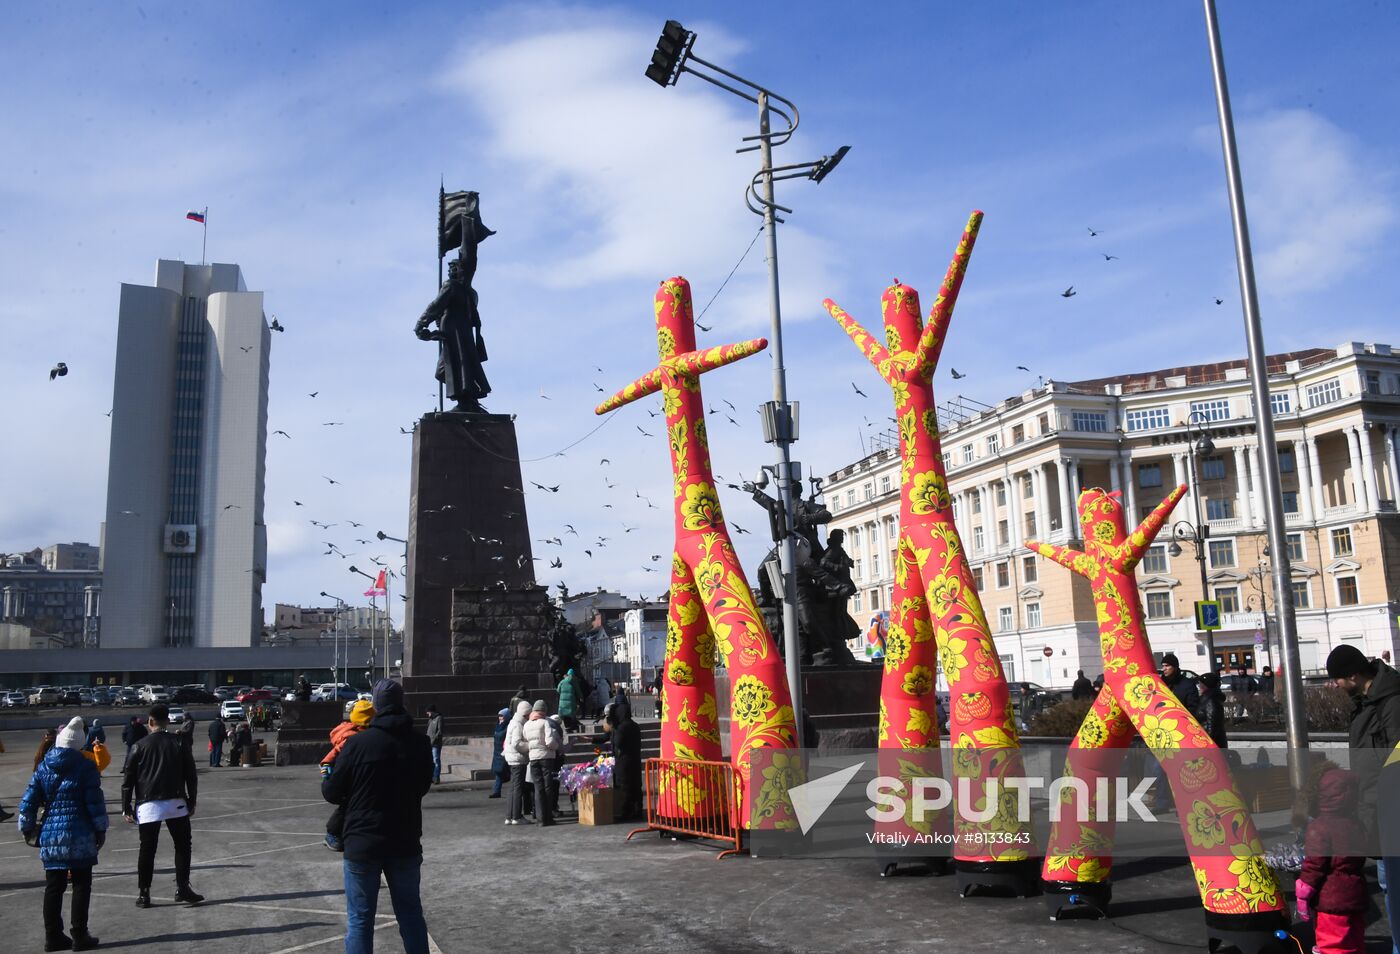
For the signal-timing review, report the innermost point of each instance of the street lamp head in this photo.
(1174, 549)
(354, 569)
(380, 534)
(827, 163)
(1205, 446)
(670, 54)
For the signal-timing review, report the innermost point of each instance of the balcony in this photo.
(1226, 525)
(1342, 511)
(1241, 620)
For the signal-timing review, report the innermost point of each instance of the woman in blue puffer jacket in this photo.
(68, 787)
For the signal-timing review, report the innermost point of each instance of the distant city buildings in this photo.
(185, 544)
(1016, 469)
(46, 602)
(71, 556)
(302, 622)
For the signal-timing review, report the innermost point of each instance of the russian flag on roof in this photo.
(194, 216)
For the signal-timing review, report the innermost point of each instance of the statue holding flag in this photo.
(461, 347)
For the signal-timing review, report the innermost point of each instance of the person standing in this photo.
(627, 762)
(1210, 712)
(1375, 724)
(542, 743)
(569, 700)
(380, 777)
(1184, 689)
(621, 704)
(556, 762)
(1332, 885)
(132, 733)
(1082, 688)
(160, 785)
(658, 685)
(218, 734)
(95, 735)
(521, 695)
(68, 788)
(499, 768)
(435, 741)
(515, 749)
(186, 733)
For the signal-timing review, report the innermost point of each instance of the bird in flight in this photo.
(1022, 367)
(245, 350)
(702, 327)
(403, 431)
(1108, 258)
(1092, 233)
(957, 375)
(737, 528)
(331, 479)
(313, 393)
(590, 553)
(232, 507)
(323, 526)
(354, 524)
(731, 405)
(652, 413)
(1220, 301)
(553, 490)
(858, 390)
(58, 371)
(644, 433)
(556, 563)
(298, 503)
(284, 434)
(277, 325)
(1069, 292)
(545, 396)
(598, 389)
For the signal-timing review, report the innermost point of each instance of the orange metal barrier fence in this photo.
(694, 798)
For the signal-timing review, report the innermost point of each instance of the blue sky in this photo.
(316, 134)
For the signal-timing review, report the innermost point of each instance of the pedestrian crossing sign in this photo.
(1207, 615)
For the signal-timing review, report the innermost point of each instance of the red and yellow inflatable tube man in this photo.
(712, 611)
(936, 617)
(1237, 888)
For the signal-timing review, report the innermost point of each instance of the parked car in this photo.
(86, 698)
(231, 710)
(177, 715)
(44, 696)
(126, 697)
(153, 694)
(101, 696)
(225, 692)
(257, 695)
(13, 700)
(1234, 682)
(68, 696)
(333, 691)
(193, 695)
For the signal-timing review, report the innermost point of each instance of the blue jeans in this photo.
(362, 900)
(216, 755)
(1387, 868)
(437, 763)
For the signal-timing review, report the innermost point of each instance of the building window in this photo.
(1215, 410)
(1347, 594)
(1032, 615)
(1018, 433)
(1030, 526)
(1286, 463)
(855, 602)
(1091, 421)
(967, 453)
(1297, 553)
(946, 457)
(874, 599)
(977, 578)
(1147, 419)
(1003, 533)
(868, 490)
(1229, 598)
(976, 496)
(979, 539)
(1003, 575)
(1222, 553)
(1043, 424)
(1281, 402)
(1220, 508)
(835, 504)
(1155, 559)
(1027, 486)
(885, 484)
(875, 565)
(859, 569)
(993, 444)
(1290, 501)
(1324, 392)
(1373, 382)
(1159, 604)
(1302, 594)
(1341, 542)
(1149, 475)
(853, 535)
(1029, 570)
(1006, 621)
(1213, 468)
(891, 529)
(851, 497)
(1001, 494)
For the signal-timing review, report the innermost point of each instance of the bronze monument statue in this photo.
(461, 348)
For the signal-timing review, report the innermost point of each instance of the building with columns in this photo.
(1016, 469)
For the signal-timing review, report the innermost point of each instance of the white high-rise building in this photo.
(185, 546)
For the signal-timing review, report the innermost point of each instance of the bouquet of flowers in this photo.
(587, 776)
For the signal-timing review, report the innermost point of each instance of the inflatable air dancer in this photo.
(712, 612)
(936, 617)
(1243, 902)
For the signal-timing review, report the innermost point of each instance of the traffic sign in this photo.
(1207, 615)
(1048, 651)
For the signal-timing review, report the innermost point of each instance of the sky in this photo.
(317, 135)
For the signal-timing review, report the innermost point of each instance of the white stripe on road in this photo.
(338, 937)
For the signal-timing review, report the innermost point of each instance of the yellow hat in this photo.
(361, 712)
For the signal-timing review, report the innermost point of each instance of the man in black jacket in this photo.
(380, 777)
(133, 733)
(1184, 689)
(627, 763)
(218, 734)
(1210, 713)
(160, 785)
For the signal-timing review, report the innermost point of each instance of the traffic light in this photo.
(670, 52)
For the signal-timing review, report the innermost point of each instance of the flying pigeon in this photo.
(58, 371)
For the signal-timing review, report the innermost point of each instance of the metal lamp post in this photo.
(1197, 440)
(373, 607)
(1297, 726)
(335, 639)
(673, 56)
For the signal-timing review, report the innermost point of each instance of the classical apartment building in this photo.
(1016, 469)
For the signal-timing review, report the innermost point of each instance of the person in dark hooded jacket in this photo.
(499, 768)
(1210, 711)
(1332, 884)
(380, 778)
(69, 788)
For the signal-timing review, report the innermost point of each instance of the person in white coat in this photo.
(515, 749)
(543, 742)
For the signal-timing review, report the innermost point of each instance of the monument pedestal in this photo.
(477, 625)
(841, 702)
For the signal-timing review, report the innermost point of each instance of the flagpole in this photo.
(204, 245)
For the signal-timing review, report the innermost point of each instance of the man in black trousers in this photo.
(160, 785)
